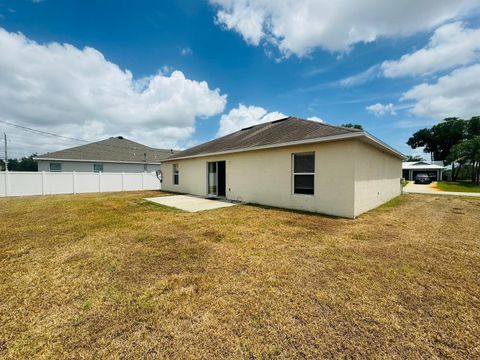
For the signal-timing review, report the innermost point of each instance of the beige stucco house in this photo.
(291, 163)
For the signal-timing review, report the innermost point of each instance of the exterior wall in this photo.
(377, 177)
(79, 166)
(265, 177)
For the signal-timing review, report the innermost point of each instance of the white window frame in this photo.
(95, 171)
(309, 173)
(50, 167)
(175, 172)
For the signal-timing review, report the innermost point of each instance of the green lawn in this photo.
(458, 186)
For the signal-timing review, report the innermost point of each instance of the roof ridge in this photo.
(299, 119)
(291, 118)
(330, 125)
(263, 123)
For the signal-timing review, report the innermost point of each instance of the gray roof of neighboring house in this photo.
(270, 134)
(112, 149)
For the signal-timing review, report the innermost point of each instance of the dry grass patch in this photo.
(109, 275)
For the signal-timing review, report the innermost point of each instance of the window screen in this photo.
(303, 173)
(175, 174)
(97, 168)
(304, 163)
(55, 167)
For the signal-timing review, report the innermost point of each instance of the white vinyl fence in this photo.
(24, 183)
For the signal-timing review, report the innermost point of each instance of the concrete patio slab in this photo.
(190, 203)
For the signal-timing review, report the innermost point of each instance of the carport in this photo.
(412, 169)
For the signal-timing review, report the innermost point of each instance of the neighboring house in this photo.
(410, 169)
(291, 163)
(115, 154)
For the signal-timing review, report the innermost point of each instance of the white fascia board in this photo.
(384, 146)
(96, 161)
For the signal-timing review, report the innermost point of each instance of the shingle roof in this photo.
(280, 131)
(112, 149)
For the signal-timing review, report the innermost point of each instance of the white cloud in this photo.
(456, 94)
(315, 118)
(300, 26)
(451, 45)
(244, 116)
(246, 17)
(78, 93)
(186, 51)
(360, 78)
(379, 109)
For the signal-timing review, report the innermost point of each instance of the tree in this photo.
(24, 164)
(456, 156)
(467, 151)
(473, 127)
(353, 126)
(439, 139)
(414, 158)
(472, 152)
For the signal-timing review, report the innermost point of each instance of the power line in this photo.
(14, 151)
(41, 131)
(10, 152)
(133, 148)
(46, 133)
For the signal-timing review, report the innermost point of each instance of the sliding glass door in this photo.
(212, 179)
(217, 178)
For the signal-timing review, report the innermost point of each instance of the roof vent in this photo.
(279, 120)
(248, 128)
(120, 137)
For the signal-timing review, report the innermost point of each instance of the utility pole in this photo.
(6, 153)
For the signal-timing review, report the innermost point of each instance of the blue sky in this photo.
(335, 72)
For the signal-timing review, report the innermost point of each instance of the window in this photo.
(175, 174)
(97, 168)
(55, 167)
(145, 167)
(303, 173)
